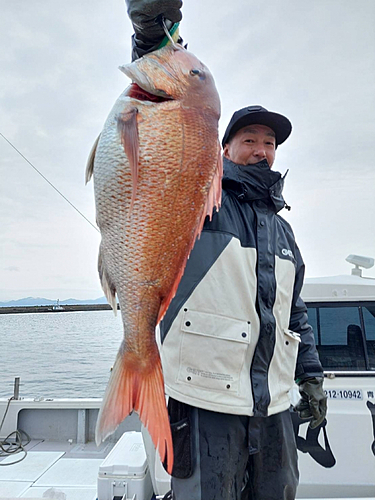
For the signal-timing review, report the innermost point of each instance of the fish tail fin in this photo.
(90, 161)
(108, 287)
(127, 127)
(131, 389)
(213, 200)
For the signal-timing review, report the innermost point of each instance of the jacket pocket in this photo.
(212, 350)
(182, 438)
(290, 353)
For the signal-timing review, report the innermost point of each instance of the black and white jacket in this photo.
(236, 334)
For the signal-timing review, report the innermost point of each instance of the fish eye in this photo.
(199, 73)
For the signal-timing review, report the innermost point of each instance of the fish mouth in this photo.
(137, 92)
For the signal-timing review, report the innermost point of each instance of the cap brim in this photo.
(278, 123)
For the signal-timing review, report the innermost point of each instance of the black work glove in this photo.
(145, 15)
(313, 402)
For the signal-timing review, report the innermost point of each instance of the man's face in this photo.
(251, 144)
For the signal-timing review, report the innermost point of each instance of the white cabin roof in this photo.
(338, 289)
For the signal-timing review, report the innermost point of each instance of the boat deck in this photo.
(60, 471)
(62, 460)
(53, 470)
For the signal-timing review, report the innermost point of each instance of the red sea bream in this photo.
(157, 174)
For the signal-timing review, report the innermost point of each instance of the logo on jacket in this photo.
(289, 253)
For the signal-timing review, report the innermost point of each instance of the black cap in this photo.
(252, 115)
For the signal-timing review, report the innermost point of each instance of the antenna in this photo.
(359, 261)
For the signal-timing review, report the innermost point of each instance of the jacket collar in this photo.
(254, 182)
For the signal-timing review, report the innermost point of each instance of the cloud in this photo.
(12, 269)
(313, 61)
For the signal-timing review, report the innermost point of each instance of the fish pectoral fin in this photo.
(109, 288)
(90, 161)
(127, 127)
(131, 388)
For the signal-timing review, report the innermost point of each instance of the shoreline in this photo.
(53, 309)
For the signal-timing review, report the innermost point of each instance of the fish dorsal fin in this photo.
(213, 200)
(128, 129)
(214, 194)
(90, 161)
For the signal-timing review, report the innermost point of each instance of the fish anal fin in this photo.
(213, 200)
(108, 287)
(132, 388)
(90, 161)
(127, 127)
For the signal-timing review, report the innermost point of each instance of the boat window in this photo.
(369, 321)
(340, 340)
(334, 322)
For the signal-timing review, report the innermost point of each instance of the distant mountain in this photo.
(39, 301)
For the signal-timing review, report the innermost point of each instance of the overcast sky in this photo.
(312, 61)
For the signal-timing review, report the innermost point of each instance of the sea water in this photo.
(59, 354)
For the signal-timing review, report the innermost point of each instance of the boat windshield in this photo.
(344, 334)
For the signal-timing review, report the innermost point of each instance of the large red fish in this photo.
(157, 174)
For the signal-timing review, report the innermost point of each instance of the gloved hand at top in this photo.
(144, 15)
(313, 402)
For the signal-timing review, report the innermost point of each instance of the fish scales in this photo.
(157, 171)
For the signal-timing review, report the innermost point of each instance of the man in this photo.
(235, 336)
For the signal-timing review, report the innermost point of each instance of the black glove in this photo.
(144, 15)
(313, 402)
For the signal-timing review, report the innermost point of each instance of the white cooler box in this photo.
(124, 473)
